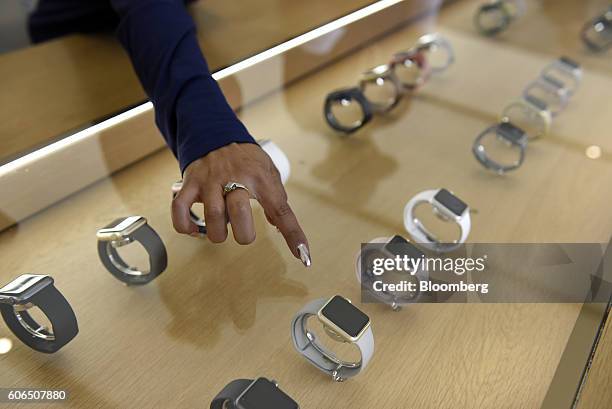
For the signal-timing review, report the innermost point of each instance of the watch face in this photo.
(344, 318)
(511, 133)
(569, 62)
(552, 80)
(450, 201)
(536, 102)
(121, 227)
(399, 246)
(263, 394)
(23, 287)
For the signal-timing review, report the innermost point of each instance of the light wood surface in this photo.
(57, 87)
(597, 392)
(221, 312)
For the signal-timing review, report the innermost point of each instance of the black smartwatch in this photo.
(347, 110)
(597, 33)
(260, 393)
(122, 232)
(29, 290)
(492, 18)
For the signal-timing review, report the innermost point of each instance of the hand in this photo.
(245, 163)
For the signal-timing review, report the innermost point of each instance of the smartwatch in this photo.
(347, 110)
(390, 248)
(506, 132)
(410, 68)
(493, 18)
(550, 90)
(343, 322)
(260, 393)
(379, 78)
(567, 71)
(597, 33)
(122, 232)
(29, 290)
(447, 207)
(531, 114)
(438, 51)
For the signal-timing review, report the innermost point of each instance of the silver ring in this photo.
(231, 186)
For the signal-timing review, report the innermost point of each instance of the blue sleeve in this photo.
(190, 109)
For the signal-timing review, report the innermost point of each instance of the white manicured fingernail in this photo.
(304, 254)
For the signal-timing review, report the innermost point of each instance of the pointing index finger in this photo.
(280, 214)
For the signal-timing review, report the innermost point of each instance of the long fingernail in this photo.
(304, 254)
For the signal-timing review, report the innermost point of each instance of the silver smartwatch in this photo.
(438, 51)
(379, 285)
(566, 71)
(29, 290)
(122, 232)
(512, 136)
(495, 16)
(492, 18)
(531, 114)
(343, 322)
(447, 207)
(550, 90)
(260, 393)
(381, 88)
(410, 68)
(597, 33)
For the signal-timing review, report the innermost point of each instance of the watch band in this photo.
(567, 68)
(230, 393)
(419, 61)
(153, 244)
(427, 42)
(505, 18)
(391, 300)
(520, 141)
(55, 306)
(535, 109)
(384, 72)
(550, 86)
(419, 233)
(597, 33)
(352, 94)
(323, 359)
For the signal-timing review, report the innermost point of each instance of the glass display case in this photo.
(223, 312)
